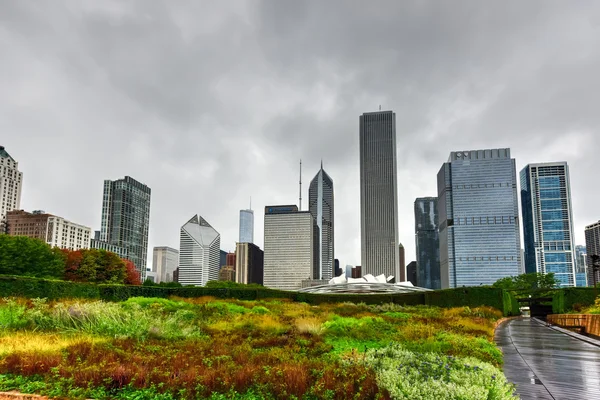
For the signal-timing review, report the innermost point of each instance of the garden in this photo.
(187, 348)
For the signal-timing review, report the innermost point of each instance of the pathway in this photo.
(545, 363)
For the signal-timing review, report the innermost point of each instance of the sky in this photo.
(210, 103)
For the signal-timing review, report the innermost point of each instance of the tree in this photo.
(132, 275)
(531, 281)
(20, 255)
(94, 265)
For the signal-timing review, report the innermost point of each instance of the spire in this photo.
(321, 163)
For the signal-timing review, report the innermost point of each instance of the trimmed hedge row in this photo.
(563, 300)
(53, 290)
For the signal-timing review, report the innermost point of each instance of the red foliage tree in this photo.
(72, 262)
(132, 276)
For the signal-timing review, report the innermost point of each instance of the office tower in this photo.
(320, 198)
(548, 221)
(227, 273)
(125, 219)
(581, 266)
(11, 182)
(478, 220)
(336, 268)
(222, 258)
(56, 231)
(357, 272)
(291, 252)
(378, 194)
(402, 261)
(348, 271)
(592, 245)
(199, 252)
(249, 263)
(165, 260)
(230, 259)
(427, 243)
(246, 226)
(411, 273)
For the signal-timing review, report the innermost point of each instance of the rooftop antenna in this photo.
(250, 202)
(380, 107)
(300, 208)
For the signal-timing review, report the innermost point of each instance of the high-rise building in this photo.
(581, 265)
(337, 271)
(427, 243)
(411, 273)
(165, 260)
(478, 219)
(548, 221)
(230, 259)
(379, 194)
(246, 226)
(11, 182)
(56, 231)
(249, 263)
(222, 258)
(348, 271)
(592, 245)
(199, 252)
(227, 273)
(126, 218)
(320, 198)
(291, 252)
(402, 261)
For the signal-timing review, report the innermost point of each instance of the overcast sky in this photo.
(211, 102)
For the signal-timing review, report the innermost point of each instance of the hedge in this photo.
(54, 289)
(564, 299)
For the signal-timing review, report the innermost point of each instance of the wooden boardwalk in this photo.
(545, 363)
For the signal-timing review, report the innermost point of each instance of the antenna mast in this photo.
(300, 207)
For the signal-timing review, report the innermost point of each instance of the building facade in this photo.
(548, 221)
(427, 243)
(592, 245)
(291, 247)
(478, 218)
(199, 252)
(379, 194)
(126, 219)
(402, 262)
(118, 250)
(246, 226)
(321, 207)
(581, 266)
(11, 182)
(165, 260)
(411, 273)
(249, 263)
(56, 231)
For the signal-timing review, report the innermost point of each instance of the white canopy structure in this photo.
(367, 284)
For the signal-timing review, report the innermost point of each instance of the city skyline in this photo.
(205, 138)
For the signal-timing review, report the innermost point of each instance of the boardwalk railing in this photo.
(589, 323)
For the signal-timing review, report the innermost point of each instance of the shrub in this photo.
(409, 375)
(20, 255)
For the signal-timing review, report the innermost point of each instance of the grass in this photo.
(208, 348)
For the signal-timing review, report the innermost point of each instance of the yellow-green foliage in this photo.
(41, 342)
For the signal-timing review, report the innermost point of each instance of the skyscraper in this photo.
(11, 182)
(548, 221)
(402, 263)
(126, 219)
(246, 226)
(379, 194)
(199, 252)
(320, 197)
(592, 245)
(478, 219)
(249, 263)
(427, 243)
(165, 261)
(291, 252)
(581, 265)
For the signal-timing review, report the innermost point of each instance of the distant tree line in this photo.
(20, 255)
(531, 281)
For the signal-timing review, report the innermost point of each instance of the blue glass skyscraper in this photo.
(548, 221)
(478, 220)
(428, 243)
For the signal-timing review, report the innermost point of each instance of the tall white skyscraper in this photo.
(11, 182)
(291, 247)
(199, 252)
(320, 197)
(548, 221)
(246, 226)
(379, 194)
(478, 218)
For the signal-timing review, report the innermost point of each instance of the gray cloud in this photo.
(210, 103)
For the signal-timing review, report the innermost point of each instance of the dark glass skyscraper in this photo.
(320, 198)
(548, 221)
(379, 194)
(125, 219)
(478, 220)
(427, 243)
